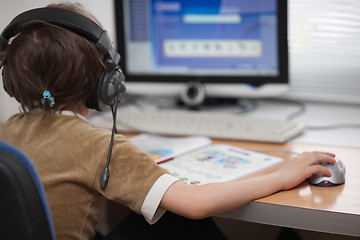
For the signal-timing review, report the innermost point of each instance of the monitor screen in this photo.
(234, 48)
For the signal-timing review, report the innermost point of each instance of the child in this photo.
(53, 72)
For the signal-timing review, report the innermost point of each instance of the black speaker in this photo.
(111, 86)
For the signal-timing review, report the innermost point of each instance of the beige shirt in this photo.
(70, 154)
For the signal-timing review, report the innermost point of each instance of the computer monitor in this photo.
(203, 48)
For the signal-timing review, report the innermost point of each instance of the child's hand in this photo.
(303, 166)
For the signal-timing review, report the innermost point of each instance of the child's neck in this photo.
(84, 111)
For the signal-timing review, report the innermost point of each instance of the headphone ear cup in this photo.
(92, 100)
(110, 89)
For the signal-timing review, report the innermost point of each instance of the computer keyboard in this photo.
(220, 125)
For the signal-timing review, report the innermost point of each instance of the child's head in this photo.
(44, 59)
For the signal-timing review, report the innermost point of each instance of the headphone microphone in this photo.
(111, 85)
(105, 174)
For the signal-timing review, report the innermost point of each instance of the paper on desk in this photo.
(163, 148)
(218, 163)
(195, 160)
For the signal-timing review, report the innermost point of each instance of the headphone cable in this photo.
(105, 174)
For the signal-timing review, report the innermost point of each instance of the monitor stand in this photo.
(193, 97)
(221, 105)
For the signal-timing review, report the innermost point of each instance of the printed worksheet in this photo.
(162, 148)
(218, 163)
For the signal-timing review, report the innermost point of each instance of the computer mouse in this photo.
(337, 177)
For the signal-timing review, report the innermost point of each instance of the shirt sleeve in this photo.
(150, 208)
(132, 174)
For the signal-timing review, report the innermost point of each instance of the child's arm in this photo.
(207, 200)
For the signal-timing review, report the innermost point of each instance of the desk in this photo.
(323, 209)
(331, 210)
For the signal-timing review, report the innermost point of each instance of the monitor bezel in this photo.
(255, 81)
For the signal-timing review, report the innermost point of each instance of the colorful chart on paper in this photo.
(162, 148)
(218, 163)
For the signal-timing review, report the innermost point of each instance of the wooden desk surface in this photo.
(325, 209)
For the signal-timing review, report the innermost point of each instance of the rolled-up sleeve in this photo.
(150, 208)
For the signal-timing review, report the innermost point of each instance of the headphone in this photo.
(111, 85)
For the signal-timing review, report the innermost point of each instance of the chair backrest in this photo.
(24, 211)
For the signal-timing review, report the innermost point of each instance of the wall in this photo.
(102, 10)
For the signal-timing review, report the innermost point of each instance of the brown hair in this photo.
(45, 57)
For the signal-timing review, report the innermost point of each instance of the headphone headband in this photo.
(110, 87)
(67, 19)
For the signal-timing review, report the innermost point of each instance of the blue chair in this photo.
(24, 211)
